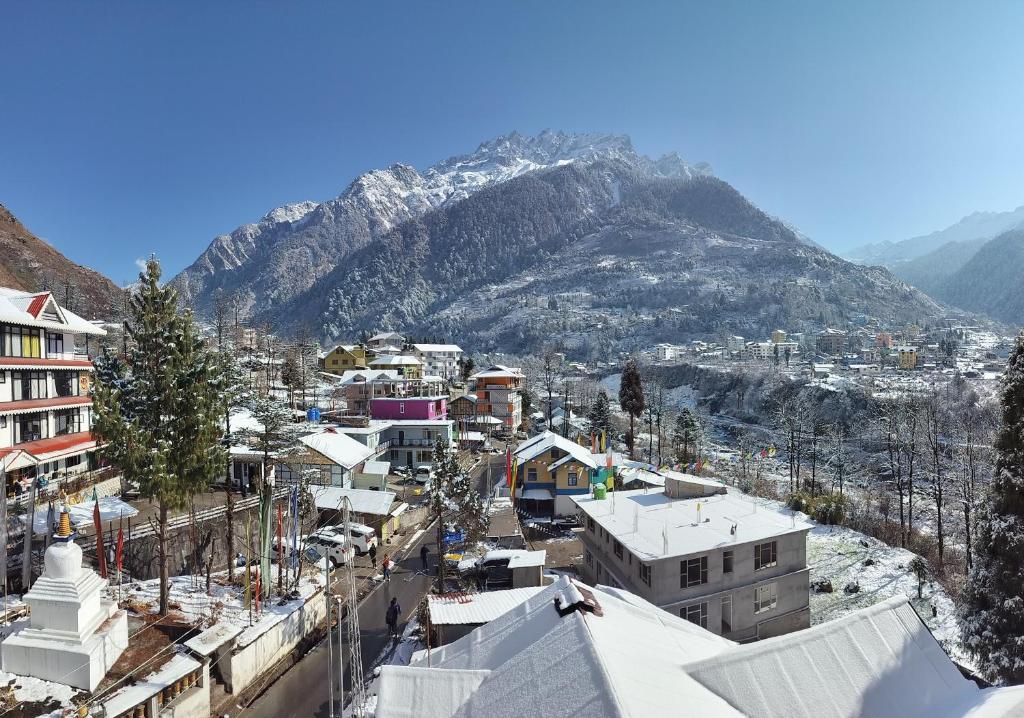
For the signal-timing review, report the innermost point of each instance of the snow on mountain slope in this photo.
(266, 263)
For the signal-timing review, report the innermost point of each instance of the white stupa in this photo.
(73, 636)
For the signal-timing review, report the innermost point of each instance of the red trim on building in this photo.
(49, 363)
(54, 403)
(38, 302)
(57, 444)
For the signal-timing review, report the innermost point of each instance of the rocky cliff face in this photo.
(30, 264)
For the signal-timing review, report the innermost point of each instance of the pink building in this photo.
(409, 407)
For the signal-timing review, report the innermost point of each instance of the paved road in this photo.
(302, 691)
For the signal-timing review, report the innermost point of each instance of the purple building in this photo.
(409, 407)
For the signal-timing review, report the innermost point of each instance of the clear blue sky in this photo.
(131, 128)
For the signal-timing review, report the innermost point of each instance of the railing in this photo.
(70, 482)
(412, 442)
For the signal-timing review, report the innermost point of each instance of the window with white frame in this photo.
(573, 478)
(765, 555)
(765, 597)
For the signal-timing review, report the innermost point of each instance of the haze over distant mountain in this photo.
(574, 239)
(30, 264)
(979, 225)
(263, 265)
(990, 281)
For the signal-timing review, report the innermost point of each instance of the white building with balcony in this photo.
(439, 359)
(45, 380)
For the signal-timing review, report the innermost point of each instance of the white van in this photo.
(422, 475)
(361, 535)
(335, 548)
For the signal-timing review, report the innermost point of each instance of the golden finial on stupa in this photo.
(64, 526)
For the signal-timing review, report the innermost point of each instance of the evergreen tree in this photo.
(687, 429)
(992, 611)
(158, 407)
(467, 367)
(631, 398)
(291, 375)
(454, 503)
(599, 416)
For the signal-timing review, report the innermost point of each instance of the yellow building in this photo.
(779, 336)
(550, 470)
(345, 357)
(907, 357)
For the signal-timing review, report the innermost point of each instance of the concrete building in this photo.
(907, 357)
(717, 559)
(439, 359)
(409, 407)
(779, 336)
(385, 341)
(497, 390)
(45, 380)
(735, 343)
(407, 366)
(831, 342)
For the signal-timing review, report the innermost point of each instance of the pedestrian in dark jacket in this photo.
(424, 552)
(373, 556)
(386, 564)
(391, 616)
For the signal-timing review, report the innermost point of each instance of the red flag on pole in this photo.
(508, 467)
(119, 551)
(101, 553)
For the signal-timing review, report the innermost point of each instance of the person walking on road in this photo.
(391, 617)
(424, 552)
(373, 556)
(386, 565)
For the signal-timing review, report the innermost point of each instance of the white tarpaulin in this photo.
(111, 508)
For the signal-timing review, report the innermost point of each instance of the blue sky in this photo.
(131, 128)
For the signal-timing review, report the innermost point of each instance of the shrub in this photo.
(800, 501)
(829, 509)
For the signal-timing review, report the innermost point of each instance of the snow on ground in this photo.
(36, 690)
(837, 554)
(190, 602)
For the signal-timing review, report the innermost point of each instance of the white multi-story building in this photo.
(45, 406)
(712, 557)
(439, 359)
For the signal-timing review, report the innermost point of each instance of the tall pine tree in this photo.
(454, 503)
(631, 398)
(599, 416)
(992, 611)
(158, 407)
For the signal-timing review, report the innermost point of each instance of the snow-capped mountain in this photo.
(267, 263)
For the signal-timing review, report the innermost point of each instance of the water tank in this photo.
(599, 491)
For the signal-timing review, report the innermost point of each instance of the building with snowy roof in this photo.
(440, 359)
(551, 470)
(45, 382)
(717, 558)
(326, 458)
(571, 650)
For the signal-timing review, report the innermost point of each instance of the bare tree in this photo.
(549, 377)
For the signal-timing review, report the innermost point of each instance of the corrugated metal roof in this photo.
(363, 501)
(463, 608)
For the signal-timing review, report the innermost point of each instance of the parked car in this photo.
(361, 535)
(423, 475)
(335, 548)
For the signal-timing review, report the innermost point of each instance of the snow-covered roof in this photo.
(359, 376)
(437, 348)
(630, 658)
(386, 336)
(498, 370)
(341, 449)
(31, 309)
(168, 674)
(488, 419)
(461, 608)
(363, 501)
(862, 664)
(549, 440)
(213, 638)
(377, 467)
(624, 662)
(396, 360)
(654, 526)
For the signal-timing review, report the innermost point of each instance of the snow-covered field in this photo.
(838, 555)
(191, 604)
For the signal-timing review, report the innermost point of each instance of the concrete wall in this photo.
(790, 576)
(247, 663)
(193, 703)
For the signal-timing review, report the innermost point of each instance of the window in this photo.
(573, 478)
(590, 559)
(29, 427)
(28, 385)
(727, 562)
(765, 598)
(401, 407)
(531, 475)
(765, 555)
(726, 614)
(645, 573)
(20, 342)
(697, 613)
(590, 524)
(693, 572)
(54, 343)
(3, 422)
(67, 421)
(618, 549)
(65, 383)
